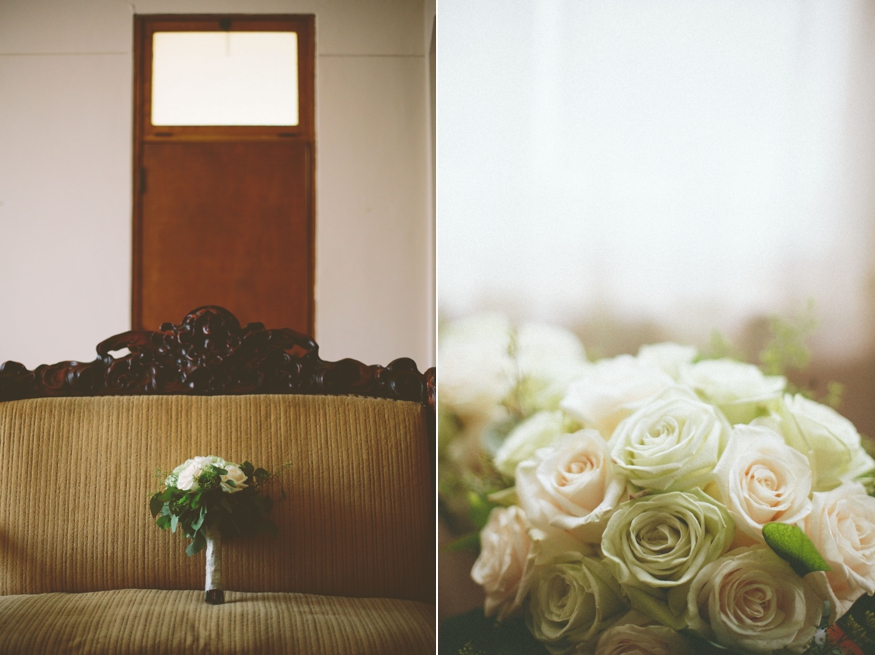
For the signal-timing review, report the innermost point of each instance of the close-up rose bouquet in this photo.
(210, 499)
(660, 503)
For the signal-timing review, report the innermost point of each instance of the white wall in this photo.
(65, 182)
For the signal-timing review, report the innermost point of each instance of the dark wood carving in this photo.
(209, 353)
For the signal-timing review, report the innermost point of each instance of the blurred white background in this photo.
(671, 166)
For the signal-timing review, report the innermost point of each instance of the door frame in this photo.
(145, 25)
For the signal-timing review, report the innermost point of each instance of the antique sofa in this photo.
(84, 568)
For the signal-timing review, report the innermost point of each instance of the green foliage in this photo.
(794, 546)
(858, 624)
(243, 513)
(721, 347)
(473, 633)
(834, 393)
(787, 347)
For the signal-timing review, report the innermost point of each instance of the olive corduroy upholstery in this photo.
(356, 526)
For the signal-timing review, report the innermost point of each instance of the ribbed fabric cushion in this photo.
(154, 622)
(77, 473)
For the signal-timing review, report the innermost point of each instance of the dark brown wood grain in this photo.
(210, 353)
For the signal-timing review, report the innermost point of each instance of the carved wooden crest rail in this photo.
(209, 353)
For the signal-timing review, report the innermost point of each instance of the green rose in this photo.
(573, 601)
(662, 541)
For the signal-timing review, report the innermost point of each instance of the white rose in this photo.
(572, 602)
(629, 639)
(477, 371)
(751, 599)
(504, 550)
(761, 479)
(671, 443)
(740, 390)
(548, 359)
(235, 475)
(842, 528)
(187, 478)
(611, 390)
(661, 541)
(185, 475)
(668, 356)
(537, 431)
(571, 486)
(829, 440)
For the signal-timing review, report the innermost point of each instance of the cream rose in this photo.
(571, 486)
(670, 444)
(537, 431)
(611, 390)
(477, 371)
(548, 359)
(752, 599)
(761, 479)
(829, 440)
(235, 475)
(632, 639)
(842, 527)
(504, 550)
(740, 390)
(572, 602)
(669, 357)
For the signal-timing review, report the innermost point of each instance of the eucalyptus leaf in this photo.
(174, 521)
(197, 523)
(197, 544)
(794, 546)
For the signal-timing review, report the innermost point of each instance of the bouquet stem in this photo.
(214, 594)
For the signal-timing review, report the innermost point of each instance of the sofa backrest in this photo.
(77, 473)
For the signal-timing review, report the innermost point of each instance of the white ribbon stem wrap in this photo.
(214, 558)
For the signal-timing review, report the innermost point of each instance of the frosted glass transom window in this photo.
(225, 78)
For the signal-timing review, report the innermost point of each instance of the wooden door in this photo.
(223, 214)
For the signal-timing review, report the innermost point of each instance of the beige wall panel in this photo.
(375, 218)
(343, 27)
(62, 26)
(65, 215)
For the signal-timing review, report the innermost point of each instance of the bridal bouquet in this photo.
(210, 498)
(664, 501)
